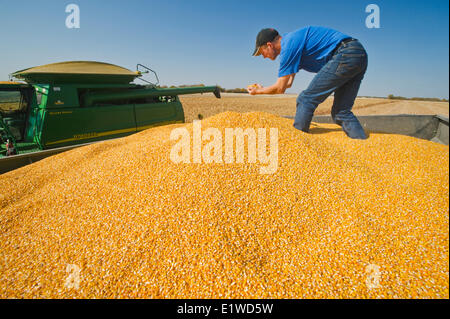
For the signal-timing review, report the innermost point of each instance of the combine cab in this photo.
(15, 101)
(64, 105)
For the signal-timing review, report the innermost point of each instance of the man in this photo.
(339, 61)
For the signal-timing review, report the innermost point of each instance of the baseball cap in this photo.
(264, 36)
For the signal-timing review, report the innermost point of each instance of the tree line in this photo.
(431, 99)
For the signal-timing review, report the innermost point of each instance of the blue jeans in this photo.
(342, 75)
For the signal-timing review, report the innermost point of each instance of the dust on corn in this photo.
(340, 218)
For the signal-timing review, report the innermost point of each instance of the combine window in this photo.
(13, 111)
(12, 101)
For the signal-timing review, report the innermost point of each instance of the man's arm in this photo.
(291, 80)
(279, 87)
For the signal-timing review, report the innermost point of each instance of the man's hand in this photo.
(253, 88)
(278, 88)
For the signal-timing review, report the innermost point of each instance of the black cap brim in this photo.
(256, 52)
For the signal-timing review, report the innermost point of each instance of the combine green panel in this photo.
(149, 115)
(63, 96)
(81, 125)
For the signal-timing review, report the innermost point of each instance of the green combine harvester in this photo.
(65, 105)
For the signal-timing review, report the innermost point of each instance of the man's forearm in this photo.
(273, 89)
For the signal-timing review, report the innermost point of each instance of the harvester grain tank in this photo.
(63, 105)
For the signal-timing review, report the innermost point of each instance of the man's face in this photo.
(268, 51)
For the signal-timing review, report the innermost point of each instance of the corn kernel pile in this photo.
(340, 218)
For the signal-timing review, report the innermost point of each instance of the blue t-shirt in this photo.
(307, 48)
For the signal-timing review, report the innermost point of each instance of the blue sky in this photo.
(210, 42)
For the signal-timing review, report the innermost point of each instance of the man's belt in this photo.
(342, 43)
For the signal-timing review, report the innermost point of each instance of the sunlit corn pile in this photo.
(340, 218)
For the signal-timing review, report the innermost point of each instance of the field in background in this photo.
(284, 105)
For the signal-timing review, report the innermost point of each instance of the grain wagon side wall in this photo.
(421, 126)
